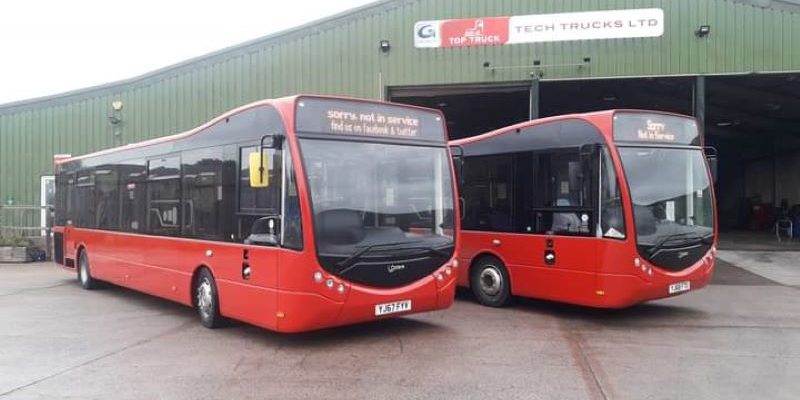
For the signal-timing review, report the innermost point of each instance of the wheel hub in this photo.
(204, 299)
(491, 281)
(82, 271)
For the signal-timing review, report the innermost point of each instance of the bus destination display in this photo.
(655, 128)
(364, 119)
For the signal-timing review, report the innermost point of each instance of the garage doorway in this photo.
(473, 109)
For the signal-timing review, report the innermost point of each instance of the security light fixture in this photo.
(114, 120)
(703, 31)
(116, 105)
(385, 46)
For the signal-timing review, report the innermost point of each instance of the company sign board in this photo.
(495, 31)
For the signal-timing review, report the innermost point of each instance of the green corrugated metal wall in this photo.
(341, 56)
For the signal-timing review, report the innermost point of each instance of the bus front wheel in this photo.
(85, 272)
(206, 299)
(490, 283)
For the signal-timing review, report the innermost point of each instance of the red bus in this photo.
(292, 214)
(604, 209)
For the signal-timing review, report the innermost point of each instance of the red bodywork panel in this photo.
(590, 271)
(281, 293)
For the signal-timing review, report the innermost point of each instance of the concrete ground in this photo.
(737, 339)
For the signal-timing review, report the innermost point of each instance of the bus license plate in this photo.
(392, 308)
(679, 287)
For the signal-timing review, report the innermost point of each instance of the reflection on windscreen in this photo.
(368, 193)
(670, 191)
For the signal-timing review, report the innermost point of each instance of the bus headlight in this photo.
(340, 288)
(448, 270)
(318, 277)
(329, 283)
(455, 263)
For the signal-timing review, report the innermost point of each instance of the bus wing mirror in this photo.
(458, 163)
(265, 231)
(711, 157)
(259, 174)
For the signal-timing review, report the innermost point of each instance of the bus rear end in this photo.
(668, 200)
(377, 187)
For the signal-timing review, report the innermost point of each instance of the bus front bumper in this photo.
(308, 311)
(619, 291)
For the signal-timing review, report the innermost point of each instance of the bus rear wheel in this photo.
(206, 300)
(490, 283)
(85, 272)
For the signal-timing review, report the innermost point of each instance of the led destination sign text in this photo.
(344, 117)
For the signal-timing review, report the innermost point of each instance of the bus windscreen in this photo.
(323, 116)
(655, 129)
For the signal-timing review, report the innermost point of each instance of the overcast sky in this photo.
(52, 46)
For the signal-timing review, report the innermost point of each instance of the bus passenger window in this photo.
(612, 220)
(488, 187)
(164, 196)
(563, 205)
(292, 219)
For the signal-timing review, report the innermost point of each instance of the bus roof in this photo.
(584, 116)
(281, 101)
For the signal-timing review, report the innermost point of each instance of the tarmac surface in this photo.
(739, 338)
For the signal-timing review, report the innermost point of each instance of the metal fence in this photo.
(24, 222)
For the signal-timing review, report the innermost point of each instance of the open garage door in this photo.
(754, 121)
(473, 109)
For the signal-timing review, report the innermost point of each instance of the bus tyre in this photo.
(206, 300)
(85, 272)
(490, 283)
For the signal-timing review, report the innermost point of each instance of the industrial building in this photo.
(734, 64)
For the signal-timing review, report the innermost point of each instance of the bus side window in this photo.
(292, 218)
(255, 203)
(488, 193)
(133, 187)
(203, 193)
(84, 206)
(106, 194)
(164, 196)
(564, 205)
(612, 220)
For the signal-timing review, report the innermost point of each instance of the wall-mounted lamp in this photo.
(114, 120)
(116, 105)
(385, 46)
(703, 31)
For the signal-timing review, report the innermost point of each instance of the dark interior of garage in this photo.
(753, 121)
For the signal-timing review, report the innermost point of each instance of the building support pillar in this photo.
(533, 112)
(699, 101)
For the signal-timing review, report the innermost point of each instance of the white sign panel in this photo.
(494, 31)
(586, 26)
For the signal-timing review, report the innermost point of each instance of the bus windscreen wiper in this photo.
(348, 262)
(428, 250)
(668, 238)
